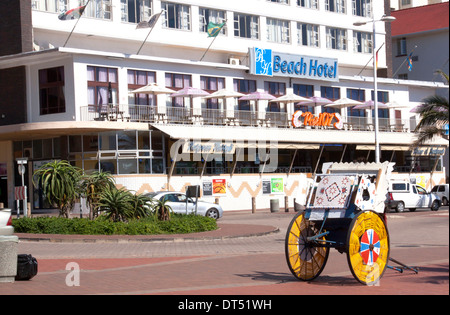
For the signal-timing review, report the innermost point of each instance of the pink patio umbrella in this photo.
(257, 96)
(189, 92)
(316, 101)
(370, 105)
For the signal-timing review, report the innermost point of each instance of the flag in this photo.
(410, 62)
(150, 23)
(72, 14)
(214, 29)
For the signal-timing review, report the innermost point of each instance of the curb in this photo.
(225, 231)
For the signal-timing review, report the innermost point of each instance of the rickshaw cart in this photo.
(345, 211)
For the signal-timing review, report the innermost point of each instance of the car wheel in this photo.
(212, 213)
(400, 207)
(444, 201)
(435, 205)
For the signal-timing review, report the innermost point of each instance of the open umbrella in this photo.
(224, 93)
(291, 97)
(153, 88)
(316, 101)
(343, 103)
(189, 92)
(257, 96)
(394, 104)
(370, 105)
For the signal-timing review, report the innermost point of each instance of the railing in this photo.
(219, 117)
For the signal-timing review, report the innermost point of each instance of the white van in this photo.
(404, 195)
(442, 192)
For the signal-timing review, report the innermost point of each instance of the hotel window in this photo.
(177, 82)
(138, 79)
(304, 90)
(401, 47)
(57, 6)
(362, 42)
(246, 26)
(99, 9)
(311, 4)
(362, 7)
(210, 15)
(51, 91)
(276, 89)
(308, 35)
(336, 38)
(331, 93)
(176, 16)
(135, 11)
(357, 95)
(337, 6)
(211, 85)
(102, 87)
(245, 87)
(279, 1)
(278, 31)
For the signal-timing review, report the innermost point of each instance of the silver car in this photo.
(177, 201)
(6, 227)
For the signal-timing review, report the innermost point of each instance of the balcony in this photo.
(219, 117)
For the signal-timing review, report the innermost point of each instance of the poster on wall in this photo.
(219, 186)
(207, 188)
(272, 186)
(276, 185)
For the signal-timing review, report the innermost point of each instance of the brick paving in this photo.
(244, 257)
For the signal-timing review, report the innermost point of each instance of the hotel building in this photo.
(66, 92)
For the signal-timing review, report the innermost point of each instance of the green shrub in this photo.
(179, 224)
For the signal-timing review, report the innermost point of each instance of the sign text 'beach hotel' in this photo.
(270, 63)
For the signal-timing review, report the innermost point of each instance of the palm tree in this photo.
(434, 116)
(59, 181)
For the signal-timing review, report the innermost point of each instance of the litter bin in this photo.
(274, 205)
(8, 258)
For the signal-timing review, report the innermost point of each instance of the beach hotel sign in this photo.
(270, 63)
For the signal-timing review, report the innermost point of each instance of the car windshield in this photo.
(434, 189)
(151, 195)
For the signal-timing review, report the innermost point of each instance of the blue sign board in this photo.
(267, 62)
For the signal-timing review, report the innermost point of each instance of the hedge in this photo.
(179, 224)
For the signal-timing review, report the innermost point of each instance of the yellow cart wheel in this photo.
(367, 247)
(305, 261)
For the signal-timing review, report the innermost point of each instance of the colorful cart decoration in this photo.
(345, 211)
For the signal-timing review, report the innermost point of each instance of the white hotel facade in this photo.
(67, 96)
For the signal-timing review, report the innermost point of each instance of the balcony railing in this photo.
(219, 117)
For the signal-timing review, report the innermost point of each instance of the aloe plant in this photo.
(162, 209)
(59, 180)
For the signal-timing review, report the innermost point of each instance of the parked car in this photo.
(442, 192)
(404, 195)
(177, 201)
(6, 227)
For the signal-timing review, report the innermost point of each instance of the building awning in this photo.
(288, 136)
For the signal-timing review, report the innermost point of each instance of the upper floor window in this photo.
(176, 16)
(362, 7)
(177, 81)
(57, 6)
(308, 34)
(99, 9)
(279, 1)
(246, 87)
(246, 26)
(210, 15)
(331, 93)
(212, 84)
(278, 31)
(137, 79)
(336, 38)
(337, 6)
(401, 47)
(51, 91)
(311, 4)
(362, 42)
(102, 86)
(304, 90)
(135, 11)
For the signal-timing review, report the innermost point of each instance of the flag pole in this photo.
(370, 60)
(151, 29)
(398, 69)
(73, 29)
(215, 37)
